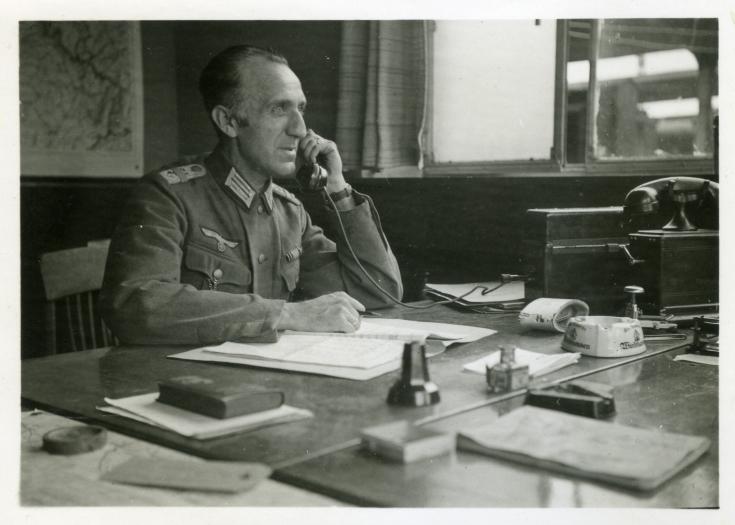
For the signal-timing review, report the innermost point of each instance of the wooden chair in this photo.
(72, 280)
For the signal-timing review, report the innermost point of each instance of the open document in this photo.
(375, 349)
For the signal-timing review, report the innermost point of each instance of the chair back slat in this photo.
(78, 322)
(91, 319)
(72, 279)
(70, 323)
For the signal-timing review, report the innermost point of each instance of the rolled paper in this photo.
(551, 314)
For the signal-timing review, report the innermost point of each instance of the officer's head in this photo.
(256, 104)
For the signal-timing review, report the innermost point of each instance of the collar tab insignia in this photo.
(240, 187)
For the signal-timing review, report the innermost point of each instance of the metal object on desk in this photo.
(632, 310)
(583, 398)
(604, 336)
(706, 336)
(414, 388)
(507, 375)
(74, 439)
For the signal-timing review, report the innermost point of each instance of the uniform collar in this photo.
(237, 185)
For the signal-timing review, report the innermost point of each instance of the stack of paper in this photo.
(486, 294)
(146, 409)
(538, 364)
(375, 349)
(617, 454)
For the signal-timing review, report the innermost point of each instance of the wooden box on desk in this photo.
(571, 253)
(679, 272)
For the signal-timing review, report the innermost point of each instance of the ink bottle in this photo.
(507, 375)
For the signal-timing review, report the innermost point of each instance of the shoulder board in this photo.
(184, 173)
(285, 194)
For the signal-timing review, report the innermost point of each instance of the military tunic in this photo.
(201, 257)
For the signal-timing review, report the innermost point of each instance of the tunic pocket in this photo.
(207, 271)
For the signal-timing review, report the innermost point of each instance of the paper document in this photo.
(538, 363)
(510, 292)
(375, 349)
(354, 352)
(699, 359)
(405, 330)
(146, 409)
(344, 372)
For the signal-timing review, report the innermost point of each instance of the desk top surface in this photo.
(74, 384)
(657, 393)
(47, 479)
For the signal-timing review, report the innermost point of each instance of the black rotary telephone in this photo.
(691, 203)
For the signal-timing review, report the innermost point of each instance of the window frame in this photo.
(557, 164)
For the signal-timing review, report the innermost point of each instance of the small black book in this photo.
(216, 398)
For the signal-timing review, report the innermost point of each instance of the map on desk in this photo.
(375, 349)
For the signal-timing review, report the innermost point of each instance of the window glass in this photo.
(656, 88)
(493, 90)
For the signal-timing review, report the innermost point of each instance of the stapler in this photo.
(582, 398)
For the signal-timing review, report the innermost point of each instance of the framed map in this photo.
(81, 96)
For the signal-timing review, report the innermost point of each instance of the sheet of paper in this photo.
(513, 291)
(357, 374)
(406, 330)
(538, 364)
(353, 352)
(699, 359)
(192, 424)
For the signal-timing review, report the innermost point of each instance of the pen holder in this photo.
(414, 388)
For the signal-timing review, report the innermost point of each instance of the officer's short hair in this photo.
(221, 78)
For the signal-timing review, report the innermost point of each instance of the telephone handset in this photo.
(311, 177)
(672, 195)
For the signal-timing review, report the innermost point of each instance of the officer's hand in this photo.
(313, 146)
(334, 312)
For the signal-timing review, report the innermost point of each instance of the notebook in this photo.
(625, 456)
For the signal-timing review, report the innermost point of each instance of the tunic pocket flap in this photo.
(223, 270)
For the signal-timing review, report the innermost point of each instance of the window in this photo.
(479, 88)
(574, 95)
(651, 84)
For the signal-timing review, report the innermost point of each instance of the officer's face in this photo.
(273, 123)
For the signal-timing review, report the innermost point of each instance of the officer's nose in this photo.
(296, 125)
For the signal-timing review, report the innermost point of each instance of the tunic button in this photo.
(261, 258)
(260, 209)
(217, 274)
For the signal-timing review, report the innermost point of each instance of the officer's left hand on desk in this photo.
(334, 312)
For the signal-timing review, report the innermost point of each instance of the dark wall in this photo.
(160, 128)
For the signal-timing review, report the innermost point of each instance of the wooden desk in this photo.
(47, 479)
(656, 393)
(74, 384)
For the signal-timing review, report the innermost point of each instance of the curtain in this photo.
(382, 90)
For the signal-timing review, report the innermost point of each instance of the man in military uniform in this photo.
(213, 250)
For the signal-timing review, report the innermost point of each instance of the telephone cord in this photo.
(485, 289)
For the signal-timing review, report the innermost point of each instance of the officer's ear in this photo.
(225, 121)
